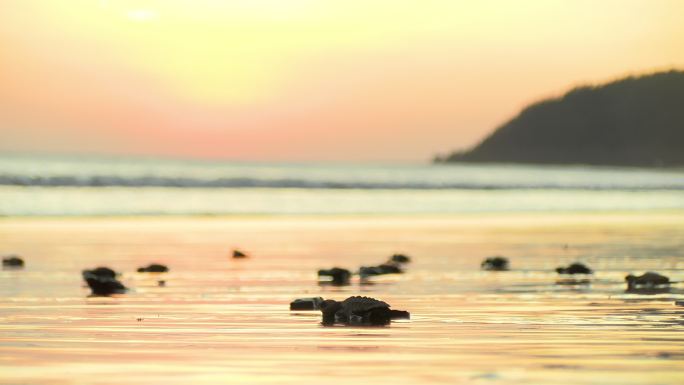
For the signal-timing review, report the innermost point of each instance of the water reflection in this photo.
(220, 322)
(573, 282)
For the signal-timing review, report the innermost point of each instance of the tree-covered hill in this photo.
(636, 121)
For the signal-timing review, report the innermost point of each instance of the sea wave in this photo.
(246, 182)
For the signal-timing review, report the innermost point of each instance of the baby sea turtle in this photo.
(359, 311)
(575, 268)
(102, 281)
(399, 258)
(647, 280)
(313, 303)
(153, 268)
(495, 264)
(12, 261)
(239, 254)
(385, 268)
(101, 271)
(339, 276)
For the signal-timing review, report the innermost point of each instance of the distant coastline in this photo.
(635, 121)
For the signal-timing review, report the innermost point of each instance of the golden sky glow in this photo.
(305, 80)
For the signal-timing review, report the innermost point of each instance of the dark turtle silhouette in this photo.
(575, 268)
(153, 268)
(102, 281)
(12, 261)
(647, 280)
(385, 268)
(399, 258)
(495, 264)
(239, 254)
(359, 311)
(339, 276)
(101, 271)
(313, 303)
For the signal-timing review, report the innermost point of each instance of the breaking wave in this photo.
(245, 182)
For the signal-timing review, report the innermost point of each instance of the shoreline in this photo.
(662, 217)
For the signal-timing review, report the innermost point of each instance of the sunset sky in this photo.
(305, 80)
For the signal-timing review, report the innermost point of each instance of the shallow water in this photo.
(220, 320)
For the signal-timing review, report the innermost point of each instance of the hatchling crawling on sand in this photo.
(359, 311)
(575, 268)
(495, 264)
(12, 261)
(647, 280)
(153, 268)
(102, 281)
(337, 276)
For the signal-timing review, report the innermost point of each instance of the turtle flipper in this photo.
(378, 317)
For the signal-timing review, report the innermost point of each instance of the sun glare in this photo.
(142, 15)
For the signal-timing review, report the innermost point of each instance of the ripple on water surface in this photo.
(218, 320)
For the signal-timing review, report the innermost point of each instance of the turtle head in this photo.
(631, 281)
(329, 307)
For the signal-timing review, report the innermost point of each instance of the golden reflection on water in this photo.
(219, 320)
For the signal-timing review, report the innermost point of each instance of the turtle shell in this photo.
(360, 305)
(652, 278)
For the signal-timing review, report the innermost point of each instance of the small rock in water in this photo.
(385, 268)
(313, 303)
(153, 268)
(339, 276)
(399, 314)
(12, 261)
(239, 254)
(360, 311)
(102, 281)
(400, 258)
(161, 283)
(575, 268)
(495, 264)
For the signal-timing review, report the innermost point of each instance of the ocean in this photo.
(76, 186)
(219, 320)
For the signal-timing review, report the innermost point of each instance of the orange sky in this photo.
(305, 80)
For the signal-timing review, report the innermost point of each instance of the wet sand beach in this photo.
(221, 320)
